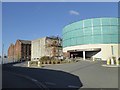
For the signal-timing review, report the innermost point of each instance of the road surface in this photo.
(91, 74)
(48, 78)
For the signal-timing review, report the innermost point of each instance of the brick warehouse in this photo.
(20, 51)
(11, 52)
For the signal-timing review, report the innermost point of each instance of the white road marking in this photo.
(71, 86)
(34, 80)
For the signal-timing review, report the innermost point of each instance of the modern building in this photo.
(20, 51)
(92, 38)
(46, 46)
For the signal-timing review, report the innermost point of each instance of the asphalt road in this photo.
(12, 80)
(48, 79)
(72, 75)
(91, 74)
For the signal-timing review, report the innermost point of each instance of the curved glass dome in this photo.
(91, 31)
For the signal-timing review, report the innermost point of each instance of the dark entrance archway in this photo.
(76, 54)
(88, 53)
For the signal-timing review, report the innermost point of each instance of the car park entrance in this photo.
(86, 53)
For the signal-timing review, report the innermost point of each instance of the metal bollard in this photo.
(108, 62)
(28, 63)
(38, 63)
(112, 61)
(117, 62)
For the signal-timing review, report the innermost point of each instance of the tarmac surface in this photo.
(91, 74)
(24, 77)
(72, 75)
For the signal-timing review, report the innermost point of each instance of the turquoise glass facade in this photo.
(91, 31)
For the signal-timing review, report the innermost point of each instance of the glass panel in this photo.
(87, 23)
(74, 34)
(79, 24)
(80, 40)
(118, 21)
(69, 35)
(105, 21)
(87, 39)
(96, 30)
(87, 31)
(77, 33)
(68, 42)
(80, 32)
(97, 39)
(118, 38)
(73, 41)
(105, 29)
(114, 38)
(114, 21)
(106, 38)
(96, 22)
(114, 29)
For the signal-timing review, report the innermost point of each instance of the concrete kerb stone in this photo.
(88, 60)
(104, 65)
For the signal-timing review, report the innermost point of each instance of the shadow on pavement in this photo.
(50, 78)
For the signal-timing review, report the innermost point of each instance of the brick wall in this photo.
(19, 51)
(11, 52)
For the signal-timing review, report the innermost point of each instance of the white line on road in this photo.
(34, 80)
(71, 86)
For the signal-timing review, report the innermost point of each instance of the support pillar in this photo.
(83, 55)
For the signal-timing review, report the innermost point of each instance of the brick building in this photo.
(20, 51)
(11, 52)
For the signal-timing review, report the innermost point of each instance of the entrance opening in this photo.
(88, 53)
(76, 54)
